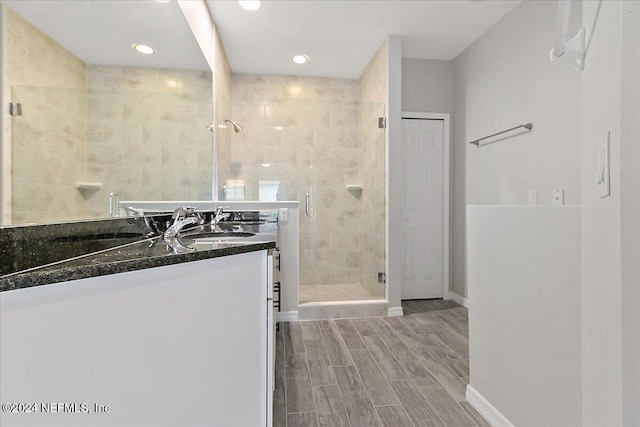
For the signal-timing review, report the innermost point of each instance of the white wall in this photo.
(601, 247)
(524, 320)
(199, 20)
(502, 80)
(630, 200)
(427, 85)
(197, 15)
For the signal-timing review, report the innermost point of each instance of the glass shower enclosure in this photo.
(313, 140)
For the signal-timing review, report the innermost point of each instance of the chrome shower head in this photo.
(236, 126)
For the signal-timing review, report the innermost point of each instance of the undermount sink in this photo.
(100, 236)
(201, 241)
(223, 235)
(233, 238)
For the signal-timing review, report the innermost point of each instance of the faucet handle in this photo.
(220, 211)
(179, 213)
(219, 216)
(185, 211)
(190, 210)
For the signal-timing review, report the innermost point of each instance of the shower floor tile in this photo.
(337, 292)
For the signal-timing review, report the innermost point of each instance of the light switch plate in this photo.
(602, 175)
(283, 215)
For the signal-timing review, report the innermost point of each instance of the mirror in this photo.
(92, 116)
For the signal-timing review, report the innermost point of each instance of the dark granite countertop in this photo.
(148, 253)
(125, 250)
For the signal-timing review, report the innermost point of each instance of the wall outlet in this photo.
(533, 197)
(558, 198)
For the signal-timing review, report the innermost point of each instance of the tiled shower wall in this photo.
(140, 132)
(373, 95)
(315, 152)
(147, 136)
(45, 147)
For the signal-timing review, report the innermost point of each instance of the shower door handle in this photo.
(306, 203)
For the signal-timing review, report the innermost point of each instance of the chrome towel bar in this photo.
(477, 141)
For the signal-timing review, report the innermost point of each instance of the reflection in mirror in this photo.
(96, 116)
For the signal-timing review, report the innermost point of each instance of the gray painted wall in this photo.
(630, 199)
(601, 244)
(502, 80)
(427, 85)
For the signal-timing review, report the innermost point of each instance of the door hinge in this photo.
(382, 277)
(382, 122)
(15, 109)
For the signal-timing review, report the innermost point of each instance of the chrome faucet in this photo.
(183, 217)
(219, 216)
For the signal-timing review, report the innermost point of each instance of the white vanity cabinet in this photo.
(185, 344)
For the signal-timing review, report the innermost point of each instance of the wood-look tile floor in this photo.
(397, 371)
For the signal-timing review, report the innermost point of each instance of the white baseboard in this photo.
(458, 299)
(287, 316)
(395, 312)
(491, 414)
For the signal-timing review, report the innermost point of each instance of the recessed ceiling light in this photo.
(144, 49)
(265, 165)
(250, 5)
(278, 128)
(300, 59)
(163, 1)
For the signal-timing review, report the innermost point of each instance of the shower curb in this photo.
(342, 309)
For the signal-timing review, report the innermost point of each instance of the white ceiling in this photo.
(102, 32)
(341, 36)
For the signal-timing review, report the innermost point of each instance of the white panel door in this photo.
(422, 208)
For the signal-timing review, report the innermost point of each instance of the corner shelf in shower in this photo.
(354, 187)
